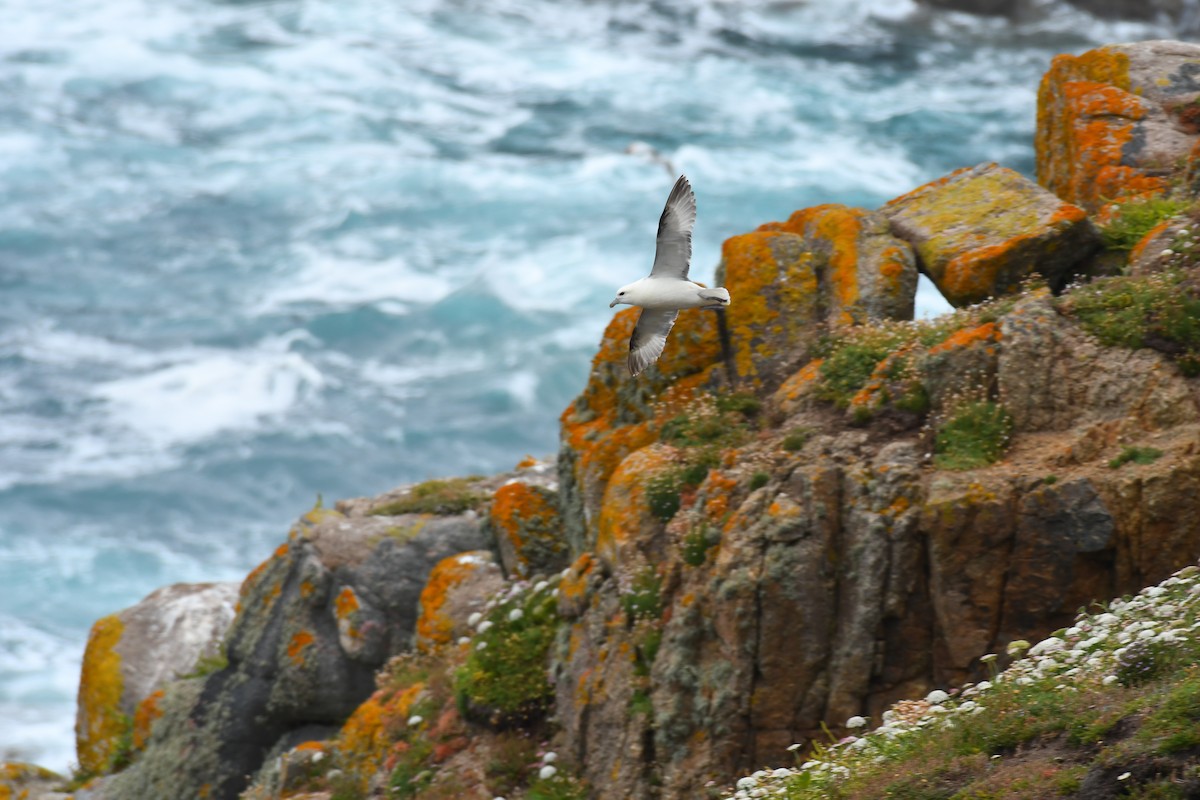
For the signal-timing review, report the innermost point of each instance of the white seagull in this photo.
(667, 289)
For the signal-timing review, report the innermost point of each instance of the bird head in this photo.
(623, 296)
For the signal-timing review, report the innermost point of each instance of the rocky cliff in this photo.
(811, 508)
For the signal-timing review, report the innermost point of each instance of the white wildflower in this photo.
(550, 757)
(782, 772)
(1109, 680)
(856, 722)
(1051, 645)
(793, 747)
(936, 696)
(746, 783)
(474, 619)
(1124, 776)
(415, 719)
(983, 686)
(515, 615)
(484, 626)
(547, 772)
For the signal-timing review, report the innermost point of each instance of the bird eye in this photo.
(620, 294)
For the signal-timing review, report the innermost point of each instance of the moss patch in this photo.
(450, 496)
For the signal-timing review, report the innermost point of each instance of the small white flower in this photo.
(989, 658)
(547, 772)
(481, 646)
(984, 686)
(793, 747)
(318, 756)
(1051, 645)
(484, 626)
(1109, 680)
(856, 722)
(782, 772)
(415, 719)
(936, 696)
(1124, 776)
(747, 783)
(515, 615)
(550, 757)
(464, 640)
(474, 619)
(540, 586)
(1168, 252)
(970, 705)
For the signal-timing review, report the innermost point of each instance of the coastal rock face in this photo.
(1116, 123)
(315, 622)
(133, 654)
(20, 781)
(978, 232)
(457, 587)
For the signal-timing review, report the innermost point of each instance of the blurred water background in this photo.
(253, 251)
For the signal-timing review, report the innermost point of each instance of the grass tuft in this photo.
(974, 435)
(1137, 455)
(1135, 218)
(449, 496)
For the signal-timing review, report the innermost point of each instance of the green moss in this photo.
(1137, 455)
(662, 494)
(508, 768)
(1134, 219)
(450, 496)
(974, 435)
(1174, 724)
(847, 369)
(559, 787)
(759, 479)
(741, 402)
(1160, 311)
(208, 664)
(640, 703)
(504, 677)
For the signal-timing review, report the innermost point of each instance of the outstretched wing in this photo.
(649, 337)
(674, 252)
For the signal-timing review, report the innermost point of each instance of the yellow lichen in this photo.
(102, 722)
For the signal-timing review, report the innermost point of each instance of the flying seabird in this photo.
(667, 289)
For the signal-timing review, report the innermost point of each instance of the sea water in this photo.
(254, 253)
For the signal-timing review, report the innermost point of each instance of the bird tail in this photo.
(718, 295)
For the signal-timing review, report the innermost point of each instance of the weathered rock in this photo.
(1118, 122)
(1154, 252)
(20, 781)
(314, 623)
(979, 231)
(134, 653)
(827, 263)
(528, 528)
(1053, 377)
(457, 587)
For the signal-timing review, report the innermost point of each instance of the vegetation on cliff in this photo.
(1106, 707)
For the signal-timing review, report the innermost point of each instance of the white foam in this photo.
(208, 392)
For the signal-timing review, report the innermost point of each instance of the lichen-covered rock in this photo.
(617, 414)
(315, 621)
(979, 231)
(1118, 122)
(134, 653)
(1154, 252)
(457, 587)
(827, 263)
(529, 529)
(20, 781)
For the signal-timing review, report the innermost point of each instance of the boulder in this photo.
(979, 231)
(526, 522)
(314, 623)
(1119, 122)
(136, 652)
(829, 263)
(19, 781)
(458, 586)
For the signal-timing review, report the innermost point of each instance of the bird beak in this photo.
(613, 303)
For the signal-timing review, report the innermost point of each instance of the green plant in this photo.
(208, 664)
(1135, 218)
(640, 703)
(759, 479)
(511, 754)
(662, 494)
(1050, 480)
(643, 600)
(450, 496)
(848, 367)
(412, 772)
(974, 435)
(796, 438)
(1138, 455)
(1159, 311)
(505, 674)
(697, 542)
(741, 402)
(559, 786)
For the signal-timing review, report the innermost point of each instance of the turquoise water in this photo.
(253, 252)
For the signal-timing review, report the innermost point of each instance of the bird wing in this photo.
(674, 252)
(649, 337)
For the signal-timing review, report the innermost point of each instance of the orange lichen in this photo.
(299, 643)
(148, 712)
(346, 603)
(527, 462)
(839, 228)
(988, 332)
(1139, 249)
(435, 628)
(574, 584)
(625, 512)
(522, 513)
(101, 721)
(719, 489)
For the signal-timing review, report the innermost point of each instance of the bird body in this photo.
(667, 289)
